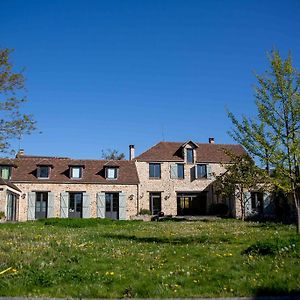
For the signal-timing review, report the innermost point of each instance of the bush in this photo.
(145, 212)
(2, 215)
(219, 209)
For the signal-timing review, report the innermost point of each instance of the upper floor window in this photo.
(177, 171)
(5, 172)
(111, 173)
(154, 170)
(190, 156)
(43, 172)
(201, 171)
(76, 172)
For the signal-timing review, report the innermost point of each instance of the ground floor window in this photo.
(191, 203)
(41, 204)
(75, 205)
(112, 205)
(11, 211)
(257, 200)
(155, 203)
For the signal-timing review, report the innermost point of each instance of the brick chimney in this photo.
(20, 153)
(211, 140)
(131, 152)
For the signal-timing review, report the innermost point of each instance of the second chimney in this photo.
(131, 152)
(211, 140)
(20, 153)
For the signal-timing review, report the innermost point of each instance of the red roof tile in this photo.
(205, 153)
(93, 171)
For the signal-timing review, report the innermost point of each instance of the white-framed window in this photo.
(111, 173)
(43, 172)
(5, 172)
(177, 171)
(201, 171)
(76, 172)
(190, 156)
(154, 170)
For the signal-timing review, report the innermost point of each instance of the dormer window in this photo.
(111, 173)
(43, 172)
(5, 172)
(190, 156)
(76, 172)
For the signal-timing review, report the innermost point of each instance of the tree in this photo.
(241, 176)
(112, 154)
(273, 136)
(13, 123)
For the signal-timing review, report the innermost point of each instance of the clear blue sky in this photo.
(106, 74)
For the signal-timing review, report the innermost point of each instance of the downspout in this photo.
(138, 199)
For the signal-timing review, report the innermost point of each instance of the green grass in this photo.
(103, 258)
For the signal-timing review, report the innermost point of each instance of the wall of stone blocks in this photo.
(91, 189)
(169, 187)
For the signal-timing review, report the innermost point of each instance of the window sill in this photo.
(154, 178)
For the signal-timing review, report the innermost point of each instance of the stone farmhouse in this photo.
(175, 178)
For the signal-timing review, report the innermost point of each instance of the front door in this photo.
(41, 203)
(155, 203)
(112, 206)
(11, 207)
(75, 205)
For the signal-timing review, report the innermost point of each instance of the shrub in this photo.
(144, 211)
(2, 215)
(219, 209)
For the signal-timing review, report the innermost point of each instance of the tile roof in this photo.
(205, 153)
(93, 171)
(8, 183)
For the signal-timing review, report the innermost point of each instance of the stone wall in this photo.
(169, 187)
(91, 189)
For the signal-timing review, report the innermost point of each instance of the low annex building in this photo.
(176, 178)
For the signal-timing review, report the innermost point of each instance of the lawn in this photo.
(103, 258)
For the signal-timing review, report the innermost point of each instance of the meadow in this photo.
(104, 258)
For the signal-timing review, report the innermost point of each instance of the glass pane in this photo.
(115, 202)
(72, 202)
(151, 170)
(108, 202)
(111, 173)
(44, 172)
(75, 172)
(201, 171)
(43, 208)
(5, 172)
(190, 155)
(180, 169)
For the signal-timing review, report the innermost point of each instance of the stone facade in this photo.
(130, 192)
(170, 187)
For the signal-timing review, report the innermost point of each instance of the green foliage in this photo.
(13, 123)
(145, 212)
(273, 136)
(2, 215)
(104, 258)
(112, 154)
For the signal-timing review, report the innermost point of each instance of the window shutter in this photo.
(209, 173)
(64, 205)
(86, 206)
(122, 206)
(193, 173)
(31, 206)
(173, 171)
(247, 203)
(50, 208)
(101, 205)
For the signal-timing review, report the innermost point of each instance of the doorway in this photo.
(41, 204)
(75, 205)
(191, 204)
(112, 206)
(11, 212)
(155, 203)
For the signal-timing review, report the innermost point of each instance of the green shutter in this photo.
(122, 206)
(193, 173)
(173, 171)
(50, 208)
(64, 205)
(86, 206)
(31, 206)
(101, 205)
